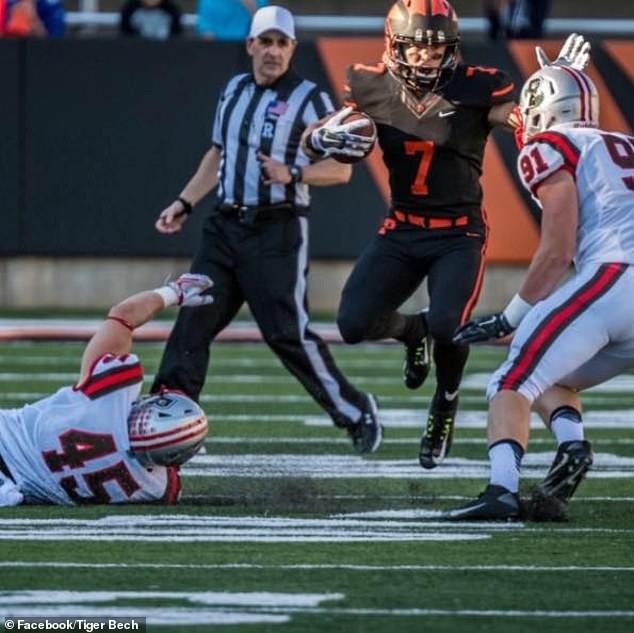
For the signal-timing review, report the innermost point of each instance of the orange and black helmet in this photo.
(422, 23)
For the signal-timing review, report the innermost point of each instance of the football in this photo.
(368, 130)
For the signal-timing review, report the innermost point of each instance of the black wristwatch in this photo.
(296, 173)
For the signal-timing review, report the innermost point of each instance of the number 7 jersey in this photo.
(432, 146)
(602, 165)
(73, 448)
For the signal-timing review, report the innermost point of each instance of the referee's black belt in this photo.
(4, 469)
(251, 215)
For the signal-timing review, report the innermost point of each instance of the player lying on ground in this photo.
(97, 442)
(576, 335)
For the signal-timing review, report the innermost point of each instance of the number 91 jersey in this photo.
(602, 165)
(72, 448)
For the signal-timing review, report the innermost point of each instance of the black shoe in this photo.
(417, 361)
(436, 441)
(496, 503)
(550, 499)
(367, 432)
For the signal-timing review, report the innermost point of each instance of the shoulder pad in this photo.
(111, 372)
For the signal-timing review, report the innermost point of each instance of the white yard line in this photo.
(319, 567)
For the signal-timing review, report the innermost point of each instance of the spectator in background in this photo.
(33, 18)
(526, 18)
(494, 11)
(153, 19)
(516, 19)
(226, 19)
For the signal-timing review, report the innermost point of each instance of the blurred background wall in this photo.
(100, 133)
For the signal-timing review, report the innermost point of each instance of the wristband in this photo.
(516, 310)
(297, 174)
(188, 207)
(169, 295)
(123, 322)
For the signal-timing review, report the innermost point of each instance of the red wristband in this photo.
(123, 322)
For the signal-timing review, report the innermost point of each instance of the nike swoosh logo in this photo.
(446, 113)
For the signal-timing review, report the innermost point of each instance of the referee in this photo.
(255, 245)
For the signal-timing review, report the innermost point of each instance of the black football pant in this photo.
(388, 272)
(265, 265)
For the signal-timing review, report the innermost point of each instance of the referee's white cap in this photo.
(273, 18)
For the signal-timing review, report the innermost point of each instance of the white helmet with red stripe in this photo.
(166, 429)
(558, 95)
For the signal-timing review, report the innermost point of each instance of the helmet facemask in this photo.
(423, 78)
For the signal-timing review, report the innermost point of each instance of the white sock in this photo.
(566, 425)
(505, 457)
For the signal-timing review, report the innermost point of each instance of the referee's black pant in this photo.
(264, 264)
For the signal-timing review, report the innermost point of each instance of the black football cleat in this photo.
(436, 441)
(549, 501)
(417, 361)
(496, 503)
(367, 432)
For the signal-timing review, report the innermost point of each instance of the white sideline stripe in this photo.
(255, 439)
(363, 537)
(291, 465)
(466, 419)
(421, 402)
(470, 612)
(155, 616)
(254, 615)
(425, 498)
(231, 528)
(189, 529)
(237, 599)
(477, 381)
(317, 567)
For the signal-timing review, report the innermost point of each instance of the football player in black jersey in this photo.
(433, 116)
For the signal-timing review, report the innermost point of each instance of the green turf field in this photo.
(283, 528)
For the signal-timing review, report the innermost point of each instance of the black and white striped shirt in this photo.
(271, 119)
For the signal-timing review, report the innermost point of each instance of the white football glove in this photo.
(10, 494)
(187, 290)
(575, 53)
(337, 138)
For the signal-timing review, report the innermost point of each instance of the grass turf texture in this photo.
(390, 571)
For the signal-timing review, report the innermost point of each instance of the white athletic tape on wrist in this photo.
(168, 294)
(516, 310)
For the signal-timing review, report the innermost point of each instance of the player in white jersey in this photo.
(576, 335)
(96, 442)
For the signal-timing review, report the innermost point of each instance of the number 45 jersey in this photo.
(602, 164)
(73, 448)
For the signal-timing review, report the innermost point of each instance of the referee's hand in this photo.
(272, 171)
(171, 219)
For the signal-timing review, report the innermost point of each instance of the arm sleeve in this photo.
(502, 88)
(346, 95)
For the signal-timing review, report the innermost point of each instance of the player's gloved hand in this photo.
(337, 138)
(10, 495)
(483, 329)
(575, 53)
(517, 122)
(187, 290)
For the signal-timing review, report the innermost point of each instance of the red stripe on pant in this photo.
(550, 328)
